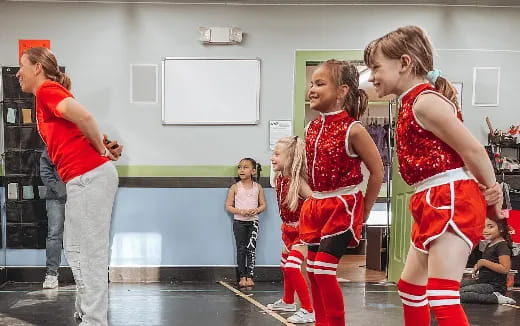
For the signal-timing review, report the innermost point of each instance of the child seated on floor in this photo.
(490, 272)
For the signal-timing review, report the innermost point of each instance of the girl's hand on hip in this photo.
(493, 194)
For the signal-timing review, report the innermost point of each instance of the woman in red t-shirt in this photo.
(83, 162)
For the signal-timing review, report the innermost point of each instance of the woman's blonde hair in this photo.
(297, 163)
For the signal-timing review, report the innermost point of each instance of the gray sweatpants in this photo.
(88, 213)
(471, 291)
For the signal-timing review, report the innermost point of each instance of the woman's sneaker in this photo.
(281, 306)
(51, 282)
(302, 316)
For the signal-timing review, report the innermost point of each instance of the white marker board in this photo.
(199, 91)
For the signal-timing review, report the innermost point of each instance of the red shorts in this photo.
(514, 225)
(327, 217)
(458, 206)
(290, 236)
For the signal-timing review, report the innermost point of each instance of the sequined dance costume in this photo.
(447, 196)
(336, 205)
(292, 259)
(290, 219)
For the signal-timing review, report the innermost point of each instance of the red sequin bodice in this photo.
(421, 154)
(282, 189)
(329, 165)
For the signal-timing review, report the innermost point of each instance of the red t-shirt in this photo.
(68, 148)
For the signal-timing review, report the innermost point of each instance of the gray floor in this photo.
(212, 304)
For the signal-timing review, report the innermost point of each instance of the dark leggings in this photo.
(246, 233)
(471, 291)
(335, 245)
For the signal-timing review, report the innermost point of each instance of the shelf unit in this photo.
(26, 216)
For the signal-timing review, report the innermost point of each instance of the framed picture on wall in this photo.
(486, 86)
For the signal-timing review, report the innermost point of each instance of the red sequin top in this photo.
(330, 167)
(421, 154)
(282, 189)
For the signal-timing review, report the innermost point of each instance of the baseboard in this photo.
(189, 274)
(149, 274)
(36, 274)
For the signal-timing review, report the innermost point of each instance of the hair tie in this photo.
(432, 75)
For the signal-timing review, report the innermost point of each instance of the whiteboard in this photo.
(199, 91)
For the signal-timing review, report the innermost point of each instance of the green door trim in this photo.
(177, 170)
(182, 170)
(401, 226)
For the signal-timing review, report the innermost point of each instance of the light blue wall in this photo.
(184, 227)
(178, 227)
(175, 227)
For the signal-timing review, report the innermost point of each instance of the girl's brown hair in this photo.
(257, 166)
(49, 64)
(503, 228)
(411, 41)
(345, 73)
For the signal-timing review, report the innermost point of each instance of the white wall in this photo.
(98, 42)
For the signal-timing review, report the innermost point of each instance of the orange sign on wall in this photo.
(27, 44)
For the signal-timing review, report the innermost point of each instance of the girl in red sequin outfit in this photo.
(333, 217)
(441, 159)
(290, 168)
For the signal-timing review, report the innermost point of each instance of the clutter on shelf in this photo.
(504, 148)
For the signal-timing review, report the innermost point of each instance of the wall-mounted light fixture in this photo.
(220, 35)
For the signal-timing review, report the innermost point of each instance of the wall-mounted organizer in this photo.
(26, 217)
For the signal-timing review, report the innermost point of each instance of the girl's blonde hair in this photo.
(297, 163)
(411, 41)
